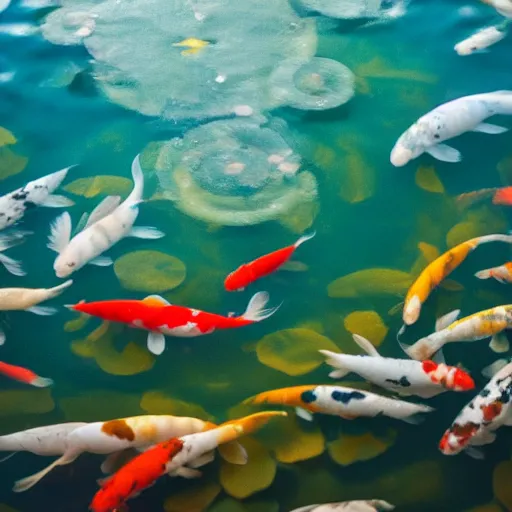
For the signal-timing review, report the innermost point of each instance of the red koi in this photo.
(156, 315)
(23, 375)
(449, 377)
(262, 266)
(135, 476)
(503, 196)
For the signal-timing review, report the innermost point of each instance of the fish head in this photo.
(411, 144)
(66, 263)
(107, 499)
(449, 444)
(237, 280)
(412, 309)
(462, 381)
(466, 47)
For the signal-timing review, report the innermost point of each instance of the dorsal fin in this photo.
(155, 300)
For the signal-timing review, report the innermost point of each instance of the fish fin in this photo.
(57, 290)
(156, 342)
(146, 232)
(366, 345)
(414, 419)
(187, 473)
(404, 346)
(56, 201)
(400, 332)
(444, 321)
(332, 361)
(397, 308)
(338, 374)
(304, 238)
(484, 438)
(499, 343)
(60, 234)
(302, 413)
(102, 481)
(101, 261)
(12, 266)
(26, 483)
(7, 457)
(42, 310)
(294, 266)
(106, 207)
(484, 274)
(508, 420)
(444, 153)
(256, 311)
(155, 300)
(81, 223)
(41, 382)
(2, 337)
(202, 460)
(110, 464)
(491, 129)
(490, 371)
(474, 453)
(234, 453)
(451, 285)
(308, 508)
(438, 357)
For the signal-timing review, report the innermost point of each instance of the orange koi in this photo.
(262, 266)
(24, 375)
(438, 270)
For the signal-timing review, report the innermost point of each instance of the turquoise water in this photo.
(367, 214)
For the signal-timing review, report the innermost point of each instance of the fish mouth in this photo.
(400, 156)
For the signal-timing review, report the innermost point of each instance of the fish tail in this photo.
(12, 266)
(57, 290)
(503, 196)
(138, 182)
(41, 382)
(252, 423)
(256, 311)
(494, 238)
(423, 349)
(484, 274)
(333, 360)
(304, 238)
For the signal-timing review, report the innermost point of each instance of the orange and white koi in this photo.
(172, 456)
(161, 318)
(106, 438)
(438, 270)
(349, 506)
(348, 403)
(262, 266)
(24, 375)
(503, 273)
(404, 376)
(479, 419)
(478, 326)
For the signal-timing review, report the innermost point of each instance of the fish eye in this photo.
(71, 264)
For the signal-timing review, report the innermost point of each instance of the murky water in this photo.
(127, 88)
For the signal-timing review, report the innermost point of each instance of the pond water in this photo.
(257, 122)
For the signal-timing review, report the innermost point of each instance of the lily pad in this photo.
(368, 324)
(258, 474)
(371, 282)
(348, 449)
(11, 163)
(96, 185)
(427, 179)
(157, 402)
(6, 137)
(293, 351)
(38, 401)
(194, 499)
(149, 271)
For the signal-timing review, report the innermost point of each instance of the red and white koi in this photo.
(161, 318)
(172, 457)
(262, 266)
(502, 273)
(26, 299)
(487, 412)
(24, 375)
(348, 403)
(403, 376)
(478, 326)
(105, 438)
(349, 506)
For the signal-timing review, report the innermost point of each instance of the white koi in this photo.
(451, 120)
(480, 40)
(109, 222)
(349, 506)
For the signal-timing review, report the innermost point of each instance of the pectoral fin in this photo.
(101, 261)
(444, 153)
(484, 438)
(302, 413)
(60, 234)
(42, 310)
(474, 453)
(499, 343)
(146, 232)
(491, 129)
(56, 201)
(234, 453)
(185, 472)
(156, 343)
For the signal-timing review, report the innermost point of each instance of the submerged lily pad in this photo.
(501, 478)
(96, 185)
(11, 163)
(157, 402)
(348, 449)
(149, 271)
(6, 137)
(193, 499)
(293, 351)
(427, 179)
(371, 282)
(258, 474)
(368, 324)
(37, 401)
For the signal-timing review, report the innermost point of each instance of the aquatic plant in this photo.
(232, 173)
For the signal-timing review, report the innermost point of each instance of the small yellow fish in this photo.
(194, 45)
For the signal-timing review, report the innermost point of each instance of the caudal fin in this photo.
(417, 417)
(6, 242)
(335, 361)
(256, 311)
(138, 182)
(484, 274)
(304, 238)
(57, 290)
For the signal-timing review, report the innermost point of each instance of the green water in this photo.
(367, 214)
